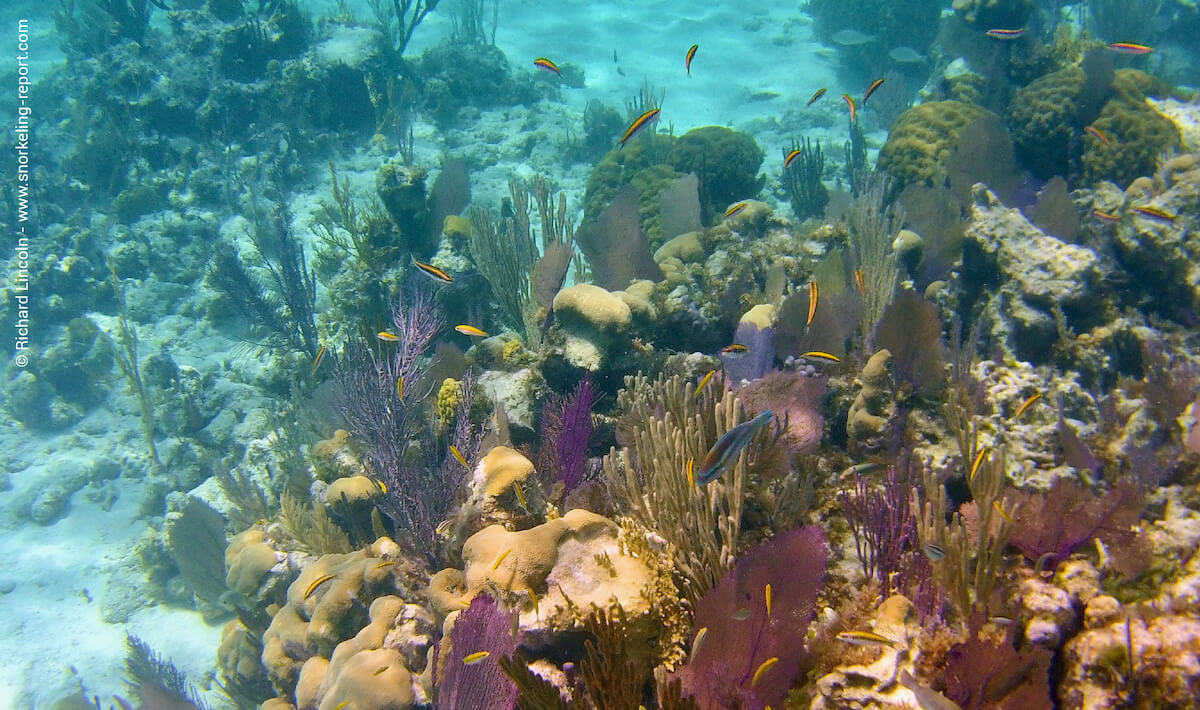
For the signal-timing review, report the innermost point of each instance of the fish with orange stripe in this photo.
(640, 123)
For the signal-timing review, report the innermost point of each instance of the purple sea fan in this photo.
(794, 398)
(481, 685)
(566, 429)
(744, 632)
(1048, 527)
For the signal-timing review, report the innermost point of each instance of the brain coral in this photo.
(921, 140)
(726, 162)
(1043, 118)
(1137, 133)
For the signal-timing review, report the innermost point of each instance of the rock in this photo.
(686, 247)
(756, 332)
(874, 405)
(520, 392)
(875, 684)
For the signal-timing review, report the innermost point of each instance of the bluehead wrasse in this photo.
(458, 455)
(639, 123)
(872, 89)
(697, 643)
(341, 705)
(691, 471)
(1045, 559)
(317, 360)
(520, 494)
(933, 551)
(389, 337)
(977, 463)
(767, 597)
(308, 592)
(860, 282)
(382, 486)
(741, 614)
(687, 60)
(1029, 402)
(790, 157)
(725, 452)
(816, 96)
(1000, 510)
(1005, 34)
(1096, 132)
(704, 380)
(1129, 48)
(379, 670)
(865, 638)
(853, 109)
(861, 469)
(496, 564)
(433, 272)
(543, 63)
(385, 563)
(821, 355)
(814, 294)
(400, 387)
(1003, 620)
(763, 668)
(735, 208)
(1154, 212)
(1105, 216)
(470, 330)
(472, 658)
(927, 698)
(734, 349)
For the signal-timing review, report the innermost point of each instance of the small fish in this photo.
(767, 596)
(819, 355)
(458, 455)
(725, 452)
(341, 705)
(763, 668)
(1005, 34)
(379, 670)
(1000, 510)
(386, 563)
(533, 598)
(443, 528)
(433, 272)
(1096, 132)
(520, 494)
(1129, 48)
(865, 638)
(639, 123)
(382, 487)
(1154, 212)
(977, 463)
(317, 360)
(543, 63)
(496, 564)
(472, 658)
(389, 337)
(933, 551)
(691, 471)
(400, 387)
(470, 330)
(741, 614)
(814, 295)
(1103, 216)
(1029, 402)
(872, 89)
(853, 109)
(687, 60)
(927, 698)
(308, 592)
(734, 349)
(735, 208)
(696, 643)
(704, 380)
(861, 469)
(790, 157)
(860, 282)
(851, 38)
(906, 55)
(816, 96)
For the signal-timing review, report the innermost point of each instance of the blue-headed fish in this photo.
(725, 452)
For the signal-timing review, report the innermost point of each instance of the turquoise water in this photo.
(236, 229)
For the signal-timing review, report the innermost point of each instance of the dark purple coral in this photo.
(1049, 527)
(882, 522)
(741, 635)
(566, 430)
(996, 675)
(794, 398)
(482, 685)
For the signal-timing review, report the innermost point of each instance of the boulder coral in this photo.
(921, 140)
(726, 161)
(596, 323)
(1136, 133)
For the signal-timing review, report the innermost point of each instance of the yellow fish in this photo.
(1033, 398)
(821, 355)
(813, 296)
(520, 494)
(735, 208)
(860, 282)
(389, 337)
(317, 360)
(865, 638)
(766, 666)
(496, 564)
(470, 330)
(767, 595)
(382, 487)
(308, 592)
(458, 455)
(691, 471)
(433, 272)
(704, 380)
(977, 463)
(400, 387)
(697, 642)
(472, 658)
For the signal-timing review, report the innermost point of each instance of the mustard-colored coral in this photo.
(1042, 118)
(511, 348)
(456, 227)
(448, 399)
(1137, 134)
(921, 140)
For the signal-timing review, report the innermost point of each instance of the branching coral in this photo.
(802, 179)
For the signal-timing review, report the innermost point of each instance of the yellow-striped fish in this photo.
(704, 380)
(697, 643)
(496, 564)
(520, 494)
(1029, 402)
(977, 463)
(400, 387)
(691, 471)
(639, 123)
(1000, 510)
(734, 349)
(382, 487)
(687, 60)
(865, 638)
(433, 272)
(767, 596)
(472, 658)
(790, 157)
(317, 360)
(860, 282)
(816, 96)
(458, 455)
(763, 668)
(389, 337)
(735, 208)
(341, 705)
(385, 563)
(821, 355)
(872, 89)
(379, 670)
(543, 63)
(470, 330)
(813, 296)
(853, 109)
(308, 592)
